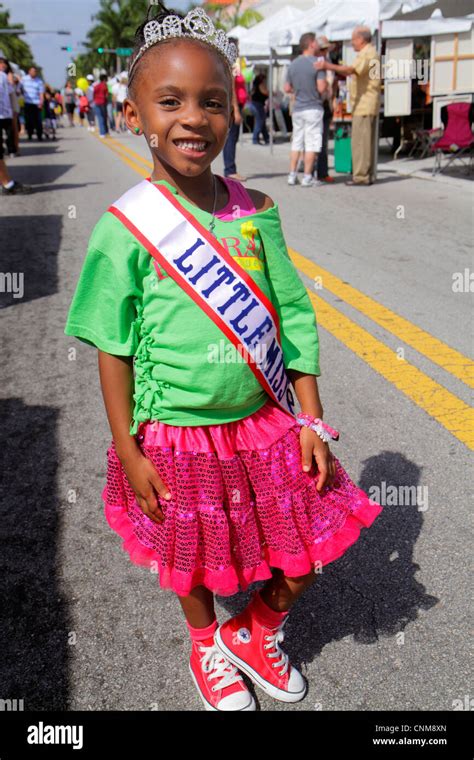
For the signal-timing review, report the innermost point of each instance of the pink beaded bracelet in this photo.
(325, 432)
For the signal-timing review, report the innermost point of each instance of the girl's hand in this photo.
(144, 479)
(311, 444)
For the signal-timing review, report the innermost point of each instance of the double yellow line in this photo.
(449, 410)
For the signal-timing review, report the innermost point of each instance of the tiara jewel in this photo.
(196, 24)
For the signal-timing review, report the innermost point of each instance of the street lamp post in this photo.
(33, 31)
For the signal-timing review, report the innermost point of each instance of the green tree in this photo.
(116, 22)
(12, 46)
(228, 15)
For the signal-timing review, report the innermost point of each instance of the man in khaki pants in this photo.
(365, 102)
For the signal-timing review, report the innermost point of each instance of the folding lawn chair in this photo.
(457, 140)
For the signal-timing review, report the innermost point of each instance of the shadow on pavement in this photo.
(371, 590)
(33, 245)
(39, 174)
(27, 150)
(35, 625)
(64, 186)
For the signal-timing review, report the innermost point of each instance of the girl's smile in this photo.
(194, 148)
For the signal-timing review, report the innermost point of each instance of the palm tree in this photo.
(117, 21)
(14, 48)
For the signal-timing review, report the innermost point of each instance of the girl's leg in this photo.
(256, 127)
(280, 592)
(198, 607)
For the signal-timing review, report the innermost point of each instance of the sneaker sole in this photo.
(268, 688)
(210, 708)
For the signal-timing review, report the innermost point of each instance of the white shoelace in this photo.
(218, 666)
(274, 640)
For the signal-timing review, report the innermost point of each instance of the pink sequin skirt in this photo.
(241, 504)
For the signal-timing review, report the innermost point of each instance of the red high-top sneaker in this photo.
(219, 684)
(255, 650)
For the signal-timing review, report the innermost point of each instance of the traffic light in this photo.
(67, 47)
(100, 50)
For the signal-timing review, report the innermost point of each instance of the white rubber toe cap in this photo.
(296, 682)
(240, 700)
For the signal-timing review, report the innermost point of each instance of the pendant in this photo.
(211, 227)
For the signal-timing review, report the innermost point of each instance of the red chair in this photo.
(457, 140)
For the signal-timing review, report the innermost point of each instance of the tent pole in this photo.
(270, 99)
(377, 119)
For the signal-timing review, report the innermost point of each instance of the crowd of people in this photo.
(310, 96)
(29, 108)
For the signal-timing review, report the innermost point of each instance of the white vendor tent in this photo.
(255, 42)
(335, 18)
(437, 24)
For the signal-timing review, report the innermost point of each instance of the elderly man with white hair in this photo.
(365, 102)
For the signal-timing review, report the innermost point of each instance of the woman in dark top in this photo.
(259, 95)
(70, 102)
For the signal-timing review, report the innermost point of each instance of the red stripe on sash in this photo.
(259, 294)
(153, 251)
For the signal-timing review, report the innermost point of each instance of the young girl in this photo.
(49, 116)
(201, 322)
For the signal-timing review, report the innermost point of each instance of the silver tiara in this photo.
(196, 25)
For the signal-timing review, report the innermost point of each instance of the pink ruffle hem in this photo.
(241, 504)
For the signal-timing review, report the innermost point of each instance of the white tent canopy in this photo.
(335, 18)
(256, 40)
(426, 27)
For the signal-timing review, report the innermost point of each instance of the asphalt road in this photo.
(383, 628)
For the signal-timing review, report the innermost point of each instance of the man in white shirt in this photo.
(119, 93)
(9, 186)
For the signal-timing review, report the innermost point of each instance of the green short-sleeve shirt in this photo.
(186, 372)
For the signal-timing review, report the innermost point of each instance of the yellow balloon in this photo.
(82, 83)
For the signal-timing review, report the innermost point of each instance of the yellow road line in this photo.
(130, 152)
(446, 408)
(438, 352)
(107, 141)
(450, 411)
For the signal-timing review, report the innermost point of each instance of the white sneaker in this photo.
(292, 179)
(307, 182)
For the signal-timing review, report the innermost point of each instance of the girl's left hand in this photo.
(312, 445)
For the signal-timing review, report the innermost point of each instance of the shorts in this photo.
(119, 107)
(308, 130)
(70, 107)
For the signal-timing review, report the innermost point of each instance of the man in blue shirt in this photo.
(33, 89)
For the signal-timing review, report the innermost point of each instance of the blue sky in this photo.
(72, 15)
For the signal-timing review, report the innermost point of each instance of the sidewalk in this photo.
(405, 167)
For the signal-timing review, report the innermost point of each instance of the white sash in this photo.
(208, 274)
